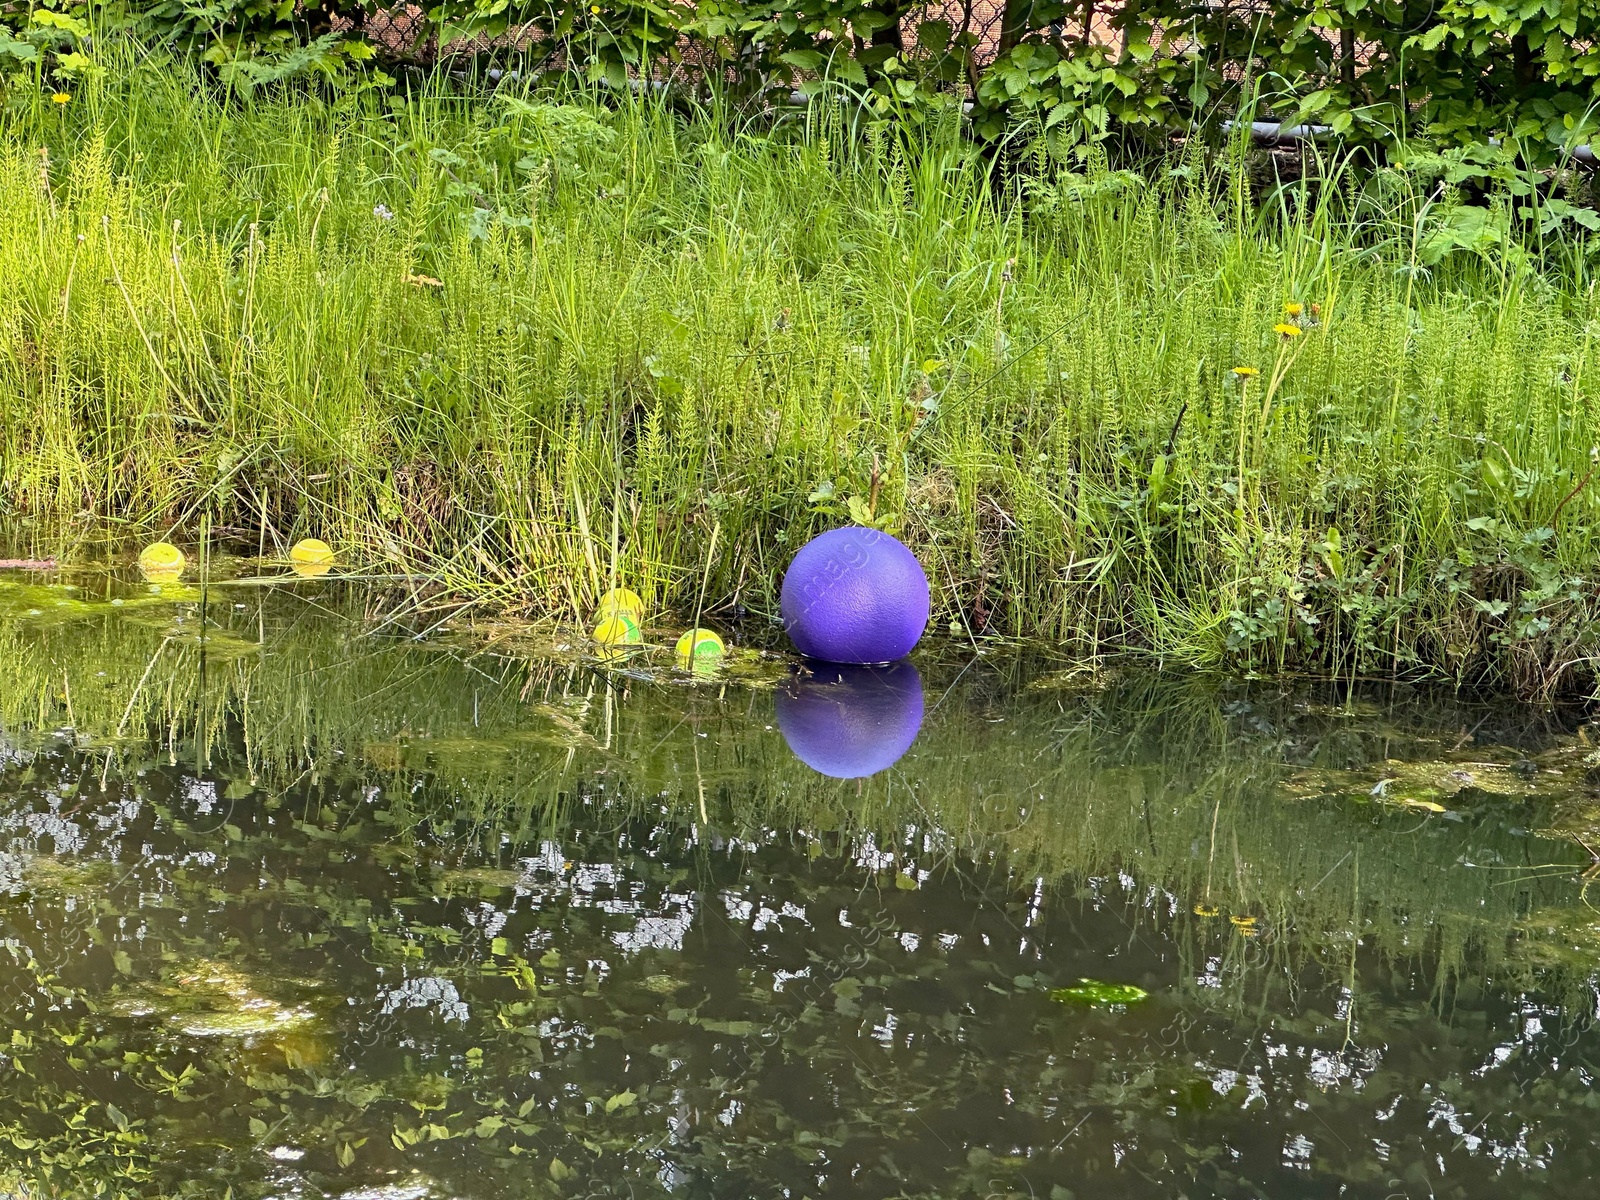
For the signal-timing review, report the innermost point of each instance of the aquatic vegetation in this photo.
(1424, 783)
(22, 601)
(1095, 994)
(55, 876)
(208, 999)
(45, 603)
(320, 695)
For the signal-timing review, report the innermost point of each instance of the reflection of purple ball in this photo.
(849, 722)
(855, 595)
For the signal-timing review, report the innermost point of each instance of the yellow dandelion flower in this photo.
(1287, 330)
(60, 98)
(1294, 310)
(1246, 372)
(594, 8)
(1206, 910)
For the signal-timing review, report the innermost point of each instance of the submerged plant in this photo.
(1096, 994)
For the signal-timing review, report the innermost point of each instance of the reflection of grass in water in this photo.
(1137, 780)
(1268, 814)
(1562, 940)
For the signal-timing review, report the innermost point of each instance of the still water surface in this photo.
(309, 907)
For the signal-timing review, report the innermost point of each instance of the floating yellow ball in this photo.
(161, 562)
(617, 630)
(621, 602)
(311, 557)
(699, 650)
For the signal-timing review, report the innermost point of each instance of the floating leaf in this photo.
(1097, 994)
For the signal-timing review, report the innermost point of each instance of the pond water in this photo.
(297, 902)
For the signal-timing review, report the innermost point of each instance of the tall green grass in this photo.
(524, 344)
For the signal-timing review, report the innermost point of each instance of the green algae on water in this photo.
(1096, 994)
(212, 999)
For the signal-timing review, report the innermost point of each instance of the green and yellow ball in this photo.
(616, 638)
(699, 650)
(162, 562)
(311, 557)
(621, 602)
(618, 630)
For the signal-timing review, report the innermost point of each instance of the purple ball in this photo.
(850, 722)
(855, 595)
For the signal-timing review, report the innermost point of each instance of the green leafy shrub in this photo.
(504, 340)
(1380, 72)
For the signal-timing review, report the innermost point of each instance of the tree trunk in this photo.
(1522, 61)
(1014, 23)
(890, 34)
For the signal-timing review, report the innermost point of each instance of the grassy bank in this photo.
(518, 344)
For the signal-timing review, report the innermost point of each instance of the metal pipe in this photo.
(1271, 133)
(1263, 133)
(1274, 133)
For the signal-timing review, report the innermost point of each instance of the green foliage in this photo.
(47, 39)
(248, 42)
(1386, 72)
(602, 41)
(511, 343)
